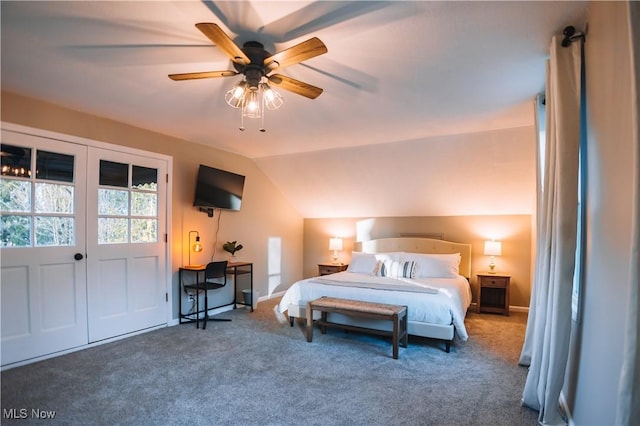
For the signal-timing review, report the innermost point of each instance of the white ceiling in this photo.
(427, 107)
(394, 71)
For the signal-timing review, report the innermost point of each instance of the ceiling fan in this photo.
(255, 63)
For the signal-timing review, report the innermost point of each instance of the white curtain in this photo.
(628, 410)
(546, 345)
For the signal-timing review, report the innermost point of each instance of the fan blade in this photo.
(224, 42)
(295, 54)
(197, 75)
(296, 86)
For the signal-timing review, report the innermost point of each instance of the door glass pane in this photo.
(114, 174)
(144, 204)
(136, 207)
(15, 195)
(113, 230)
(54, 166)
(15, 160)
(54, 231)
(113, 202)
(15, 231)
(144, 230)
(53, 198)
(46, 208)
(144, 178)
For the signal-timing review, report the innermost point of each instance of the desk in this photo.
(234, 269)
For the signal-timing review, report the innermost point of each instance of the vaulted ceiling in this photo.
(395, 72)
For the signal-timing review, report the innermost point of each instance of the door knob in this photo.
(78, 256)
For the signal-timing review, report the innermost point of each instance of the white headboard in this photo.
(419, 245)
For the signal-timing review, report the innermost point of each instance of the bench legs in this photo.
(309, 322)
(403, 343)
(399, 336)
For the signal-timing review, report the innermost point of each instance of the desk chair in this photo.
(215, 277)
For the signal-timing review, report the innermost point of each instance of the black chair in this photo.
(215, 277)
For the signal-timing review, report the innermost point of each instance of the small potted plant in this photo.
(232, 247)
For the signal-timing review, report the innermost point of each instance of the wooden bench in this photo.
(356, 308)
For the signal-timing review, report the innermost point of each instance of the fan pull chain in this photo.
(241, 120)
(264, 112)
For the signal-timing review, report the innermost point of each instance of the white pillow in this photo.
(394, 255)
(435, 265)
(362, 263)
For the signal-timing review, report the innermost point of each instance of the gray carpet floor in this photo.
(257, 370)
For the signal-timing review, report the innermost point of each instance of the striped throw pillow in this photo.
(397, 269)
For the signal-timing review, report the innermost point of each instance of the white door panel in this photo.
(126, 280)
(43, 288)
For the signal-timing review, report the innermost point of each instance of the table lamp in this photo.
(492, 248)
(197, 248)
(335, 244)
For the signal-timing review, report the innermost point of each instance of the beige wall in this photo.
(267, 225)
(488, 173)
(513, 230)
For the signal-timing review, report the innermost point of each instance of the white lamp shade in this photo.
(335, 244)
(493, 248)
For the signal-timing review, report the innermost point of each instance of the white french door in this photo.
(126, 288)
(83, 252)
(43, 287)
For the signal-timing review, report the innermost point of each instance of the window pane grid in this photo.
(38, 209)
(127, 214)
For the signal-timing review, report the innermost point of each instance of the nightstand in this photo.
(493, 293)
(331, 268)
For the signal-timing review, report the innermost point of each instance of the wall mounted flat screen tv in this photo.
(218, 189)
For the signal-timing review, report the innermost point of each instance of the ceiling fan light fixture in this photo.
(253, 96)
(251, 107)
(272, 99)
(236, 95)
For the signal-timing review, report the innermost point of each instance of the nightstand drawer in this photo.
(497, 282)
(330, 268)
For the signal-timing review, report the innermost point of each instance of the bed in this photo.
(429, 276)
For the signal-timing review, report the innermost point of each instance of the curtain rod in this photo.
(570, 35)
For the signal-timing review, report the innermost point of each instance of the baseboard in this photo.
(474, 307)
(78, 348)
(230, 307)
(172, 322)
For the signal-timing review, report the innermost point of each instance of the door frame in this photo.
(17, 128)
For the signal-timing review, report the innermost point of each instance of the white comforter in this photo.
(431, 300)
